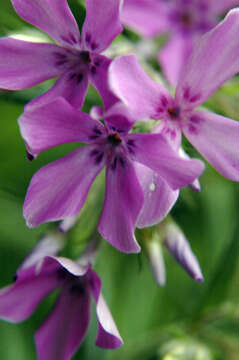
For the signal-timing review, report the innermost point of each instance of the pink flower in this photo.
(214, 59)
(66, 326)
(143, 173)
(183, 20)
(74, 60)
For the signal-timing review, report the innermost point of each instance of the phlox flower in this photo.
(66, 326)
(143, 173)
(214, 59)
(183, 20)
(75, 59)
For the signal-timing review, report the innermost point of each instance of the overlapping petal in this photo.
(135, 88)
(49, 245)
(64, 330)
(20, 59)
(159, 198)
(69, 265)
(153, 151)
(118, 118)
(52, 16)
(59, 189)
(216, 138)
(99, 79)
(19, 300)
(122, 204)
(108, 336)
(146, 17)
(56, 123)
(171, 131)
(102, 24)
(219, 7)
(72, 88)
(173, 56)
(214, 59)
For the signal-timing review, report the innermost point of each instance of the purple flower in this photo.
(72, 309)
(184, 21)
(142, 171)
(213, 61)
(75, 60)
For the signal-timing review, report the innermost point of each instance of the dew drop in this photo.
(152, 187)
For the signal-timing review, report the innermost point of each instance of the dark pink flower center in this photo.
(174, 112)
(186, 19)
(84, 57)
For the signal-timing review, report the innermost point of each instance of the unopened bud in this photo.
(49, 245)
(156, 261)
(177, 244)
(67, 223)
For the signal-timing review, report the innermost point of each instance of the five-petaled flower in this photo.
(183, 20)
(75, 59)
(65, 328)
(213, 61)
(132, 161)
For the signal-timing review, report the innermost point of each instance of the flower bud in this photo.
(177, 244)
(49, 245)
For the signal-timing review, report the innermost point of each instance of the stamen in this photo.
(186, 19)
(174, 112)
(114, 139)
(85, 57)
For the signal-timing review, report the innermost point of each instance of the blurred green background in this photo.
(183, 320)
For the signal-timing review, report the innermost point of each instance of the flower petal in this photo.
(71, 266)
(214, 59)
(219, 7)
(52, 16)
(99, 79)
(173, 57)
(144, 16)
(153, 151)
(59, 189)
(18, 301)
(56, 123)
(171, 131)
(216, 138)
(135, 88)
(123, 202)
(159, 198)
(195, 185)
(118, 118)
(65, 328)
(102, 24)
(179, 247)
(19, 61)
(97, 112)
(49, 245)
(156, 261)
(108, 336)
(73, 89)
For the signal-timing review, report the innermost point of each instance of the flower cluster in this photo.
(144, 171)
